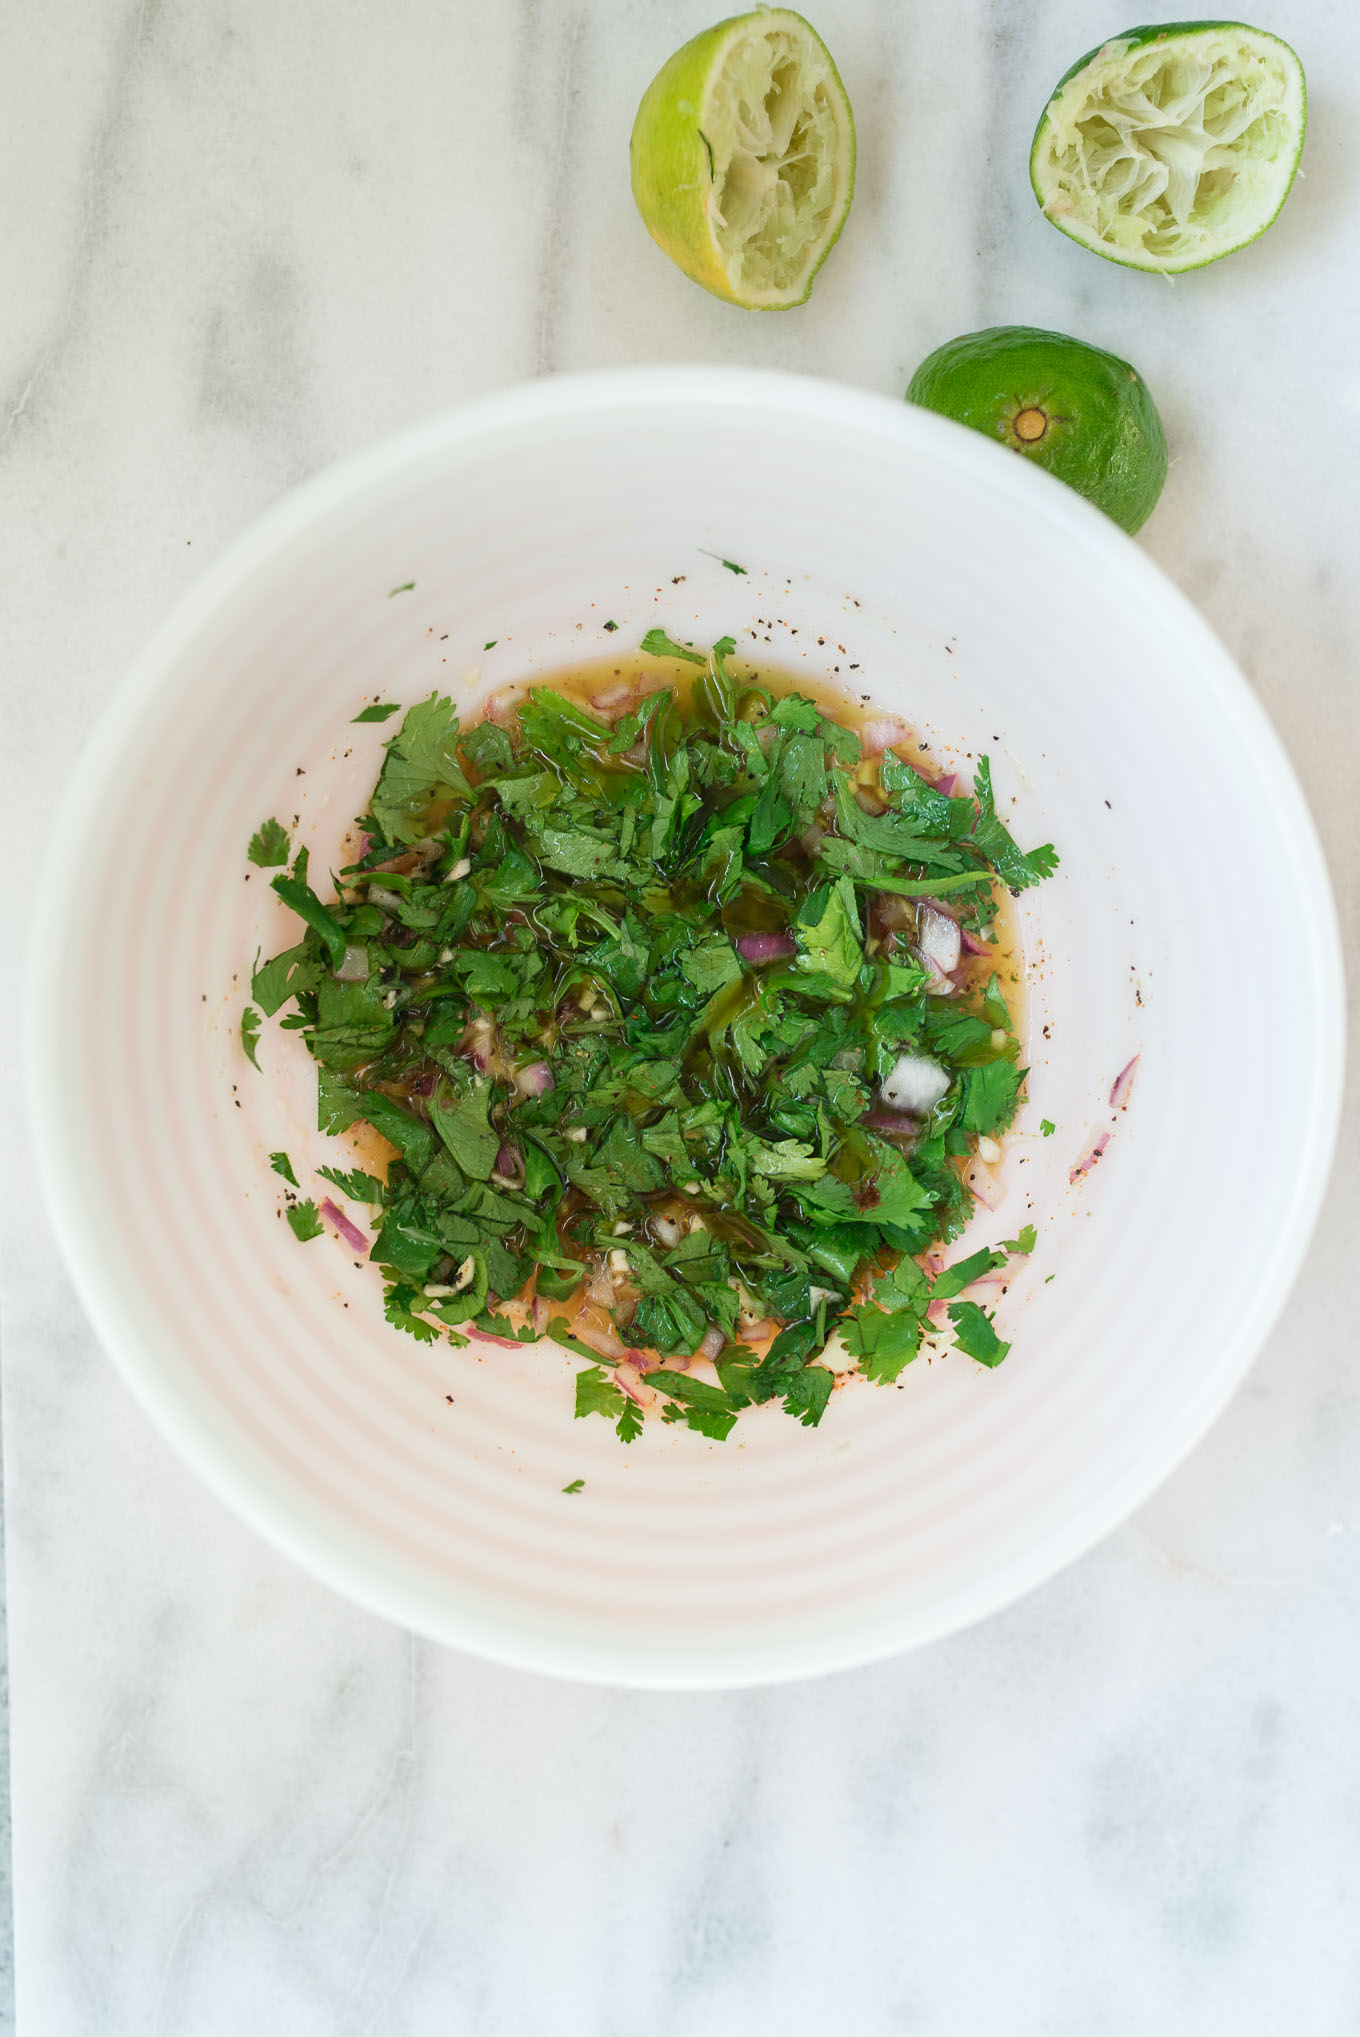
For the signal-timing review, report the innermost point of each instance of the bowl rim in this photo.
(261, 1501)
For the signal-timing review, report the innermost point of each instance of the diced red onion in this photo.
(972, 945)
(501, 704)
(542, 1314)
(890, 1124)
(628, 1381)
(614, 701)
(938, 940)
(766, 947)
(509, 1163)
(945, 786)
(881, 735)
(477, 1043)
(1089, 1158)
(351, 1233)
(711, 1344)
(354, 967)
(1123, 1083)
(506, 1343)
(666, 1231)
(535, 1080)
(426, 1084)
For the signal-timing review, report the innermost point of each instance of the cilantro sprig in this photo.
(627, 990)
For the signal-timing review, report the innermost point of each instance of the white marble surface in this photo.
(240, 238)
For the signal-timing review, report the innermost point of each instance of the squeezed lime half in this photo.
(1172, 146)
(743, 158)
(1084, 414)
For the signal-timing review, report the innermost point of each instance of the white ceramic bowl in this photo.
(947, 581)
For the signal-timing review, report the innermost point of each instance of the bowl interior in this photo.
(944, 582)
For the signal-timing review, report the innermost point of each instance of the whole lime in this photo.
(1084, 414)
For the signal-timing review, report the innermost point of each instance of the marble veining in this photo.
(241, 240)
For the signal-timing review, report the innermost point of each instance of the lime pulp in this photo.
(1172, 146)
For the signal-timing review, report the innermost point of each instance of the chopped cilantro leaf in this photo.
(964, 1272)
(1025, 1243)
(628, 1427)
(337, 1104)
(828, 935)
(711, 965)
(990, 1096)
(357, 1185)
(794, 713)
(462, 1123)
(973, 1333)
(378, 710)
(1047, 1127)
(884, 1344)
(893, 1191)
(577, 1485)
(269, 844)
(398, 1307)
(421, 758)
(250, 1031)
(994, 842)
(405, 588)
(303, 1220)
(308, 906)
(658, 645)
(994, 1006)
(596, 1394)
(287, 975)
(705, 1408)
(281, 1164)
